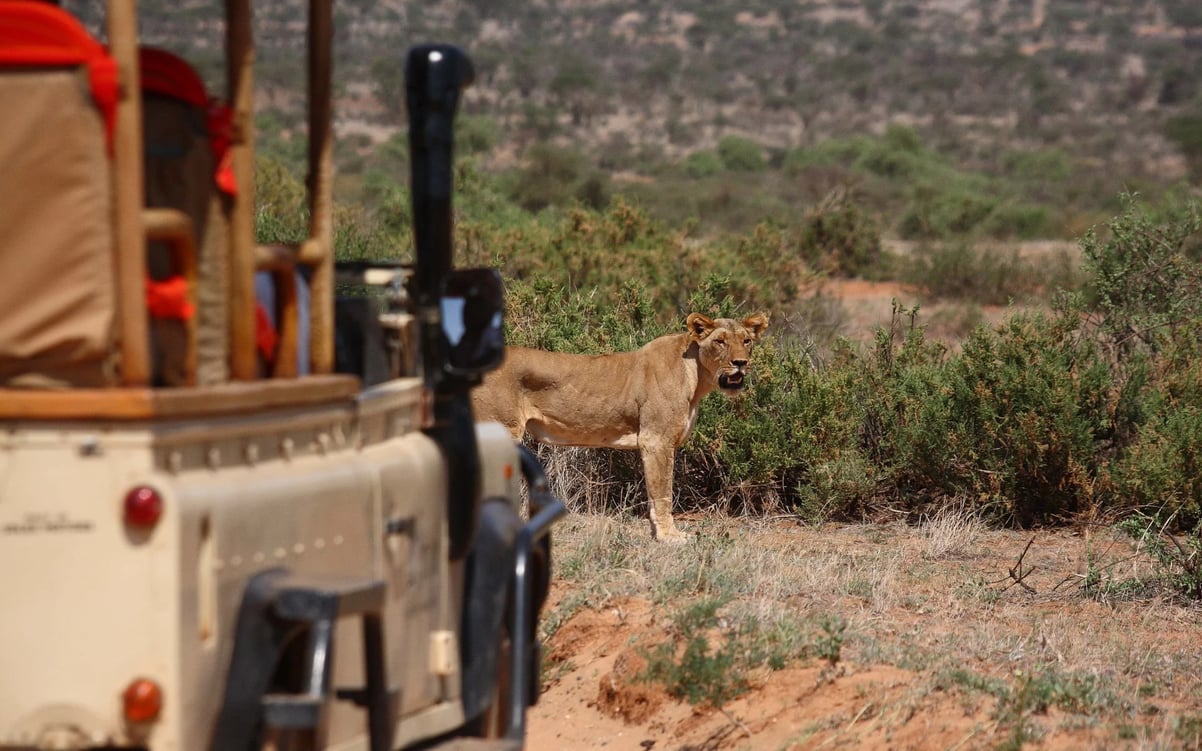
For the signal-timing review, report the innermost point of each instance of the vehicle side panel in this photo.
(348, 489)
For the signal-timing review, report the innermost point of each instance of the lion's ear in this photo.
(699, 326)
(756, 324)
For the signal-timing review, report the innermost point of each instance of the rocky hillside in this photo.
(638, 83)
(640, 80)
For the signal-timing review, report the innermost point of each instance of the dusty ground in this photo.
(943, 648)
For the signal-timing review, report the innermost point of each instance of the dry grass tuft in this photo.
(577, 478)
(951, 533)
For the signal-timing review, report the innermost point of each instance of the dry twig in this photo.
(1017, 574)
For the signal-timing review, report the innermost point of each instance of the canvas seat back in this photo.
(57, 271)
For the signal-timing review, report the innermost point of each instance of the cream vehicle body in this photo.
(211, 538)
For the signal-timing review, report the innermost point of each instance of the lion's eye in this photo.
(721, 342)
(746, 342)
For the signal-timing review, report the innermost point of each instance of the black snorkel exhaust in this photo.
(435, 76)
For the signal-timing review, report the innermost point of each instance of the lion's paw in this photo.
(673, 537)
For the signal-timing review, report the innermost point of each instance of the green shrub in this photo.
(1186, 132)
(1017, 221)
(1159, 470)
(276, 142)
(898, 155)
(902, 138)
(703, 164)
(552, 175)
(840, 150)
(1028, 404)
(1012, 421)
(1039, 166)
(1144, 284)
(755, 268)
(595, 253)
(709, 666)
(891, 163)
(959, 271)
(281, 209)
(797, 161)
(390, 160)
(734, 201)
(741, 154)
(1183, 13)
(1146, 279)
(904, 410)
(838, 236)
(357, 237)
(1178, 559)
(784, 435)
(541, 314)
(476, 134)
(937, 211)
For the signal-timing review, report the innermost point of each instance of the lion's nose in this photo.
(739, 363)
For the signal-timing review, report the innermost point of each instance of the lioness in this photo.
(646, 399)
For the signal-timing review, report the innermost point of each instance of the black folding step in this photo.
(275, 605)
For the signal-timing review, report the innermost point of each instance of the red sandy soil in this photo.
(886, 691)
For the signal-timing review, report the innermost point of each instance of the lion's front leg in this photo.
(657, 469)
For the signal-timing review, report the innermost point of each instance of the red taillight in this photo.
(142, 700)
(143, 507)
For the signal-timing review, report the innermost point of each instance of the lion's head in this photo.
(724, 347)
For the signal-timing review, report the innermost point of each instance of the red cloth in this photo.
(37, 34)
(221, 135)
(168, 74)
(266, 337)
(169, 299)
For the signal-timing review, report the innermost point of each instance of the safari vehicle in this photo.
(229, 518)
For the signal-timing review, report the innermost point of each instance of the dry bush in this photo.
(584, 480)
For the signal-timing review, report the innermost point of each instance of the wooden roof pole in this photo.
(321, 185)
(240, 55)
(128, 197)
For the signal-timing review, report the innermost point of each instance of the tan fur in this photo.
(645, 400)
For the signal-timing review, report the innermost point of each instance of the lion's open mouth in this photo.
(730, 381)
